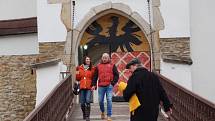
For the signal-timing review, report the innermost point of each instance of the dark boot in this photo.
(87, 111)
(83, 108)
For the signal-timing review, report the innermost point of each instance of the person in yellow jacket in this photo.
(149, 92)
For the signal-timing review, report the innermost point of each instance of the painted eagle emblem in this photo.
(124, 41)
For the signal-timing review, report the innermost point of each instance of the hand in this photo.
(93, 88)
(112, 83)
(169, 113)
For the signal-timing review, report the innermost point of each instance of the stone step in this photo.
(120, 113)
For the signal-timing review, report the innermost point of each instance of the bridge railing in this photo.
(56, 105)
(187, 106)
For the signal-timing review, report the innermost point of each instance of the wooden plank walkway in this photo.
(120, 113)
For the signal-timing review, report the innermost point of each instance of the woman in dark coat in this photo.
(149, 91)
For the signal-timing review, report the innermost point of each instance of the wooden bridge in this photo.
(120, 113)
(60, 106)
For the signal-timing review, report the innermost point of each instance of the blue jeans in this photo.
(108, 91)
(85, 97)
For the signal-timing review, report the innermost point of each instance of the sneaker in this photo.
(102, 115)
(109, 118)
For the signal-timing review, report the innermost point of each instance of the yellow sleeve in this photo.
(134, 101)
(122, 85)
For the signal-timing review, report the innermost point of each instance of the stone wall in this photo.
(176, 50)
(50, 50)
(18, 81)
(17, 87)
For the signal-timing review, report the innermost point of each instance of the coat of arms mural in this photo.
(124, 39)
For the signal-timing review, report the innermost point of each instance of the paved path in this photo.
(120, 113)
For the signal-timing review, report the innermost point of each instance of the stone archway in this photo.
(123, 10)
(118, 35)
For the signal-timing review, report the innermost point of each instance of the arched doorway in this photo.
(123, 12)
(119, 36)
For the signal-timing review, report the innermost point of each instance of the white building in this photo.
(201, 27)
(13, 45)
(181, 19)
(19, 37)
(40, 22)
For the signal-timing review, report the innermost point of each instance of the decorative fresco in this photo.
(124, 39)
(120, 33)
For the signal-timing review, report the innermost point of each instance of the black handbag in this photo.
(76, 88)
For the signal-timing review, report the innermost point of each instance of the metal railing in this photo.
(187, 106)
(56, 105)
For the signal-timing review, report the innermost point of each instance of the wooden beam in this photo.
(18, 26)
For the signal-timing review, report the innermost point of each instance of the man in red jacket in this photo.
(107, 75)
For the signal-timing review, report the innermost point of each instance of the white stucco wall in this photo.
(54, 30)
(13, 9)
(23, 44)
(47, 78)
(18, 44)
(82, 7)
(202, 47)
(50, 27)
(175, 13)
(179, 73)
(176, 18)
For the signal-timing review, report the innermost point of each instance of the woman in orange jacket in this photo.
(85, 74)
